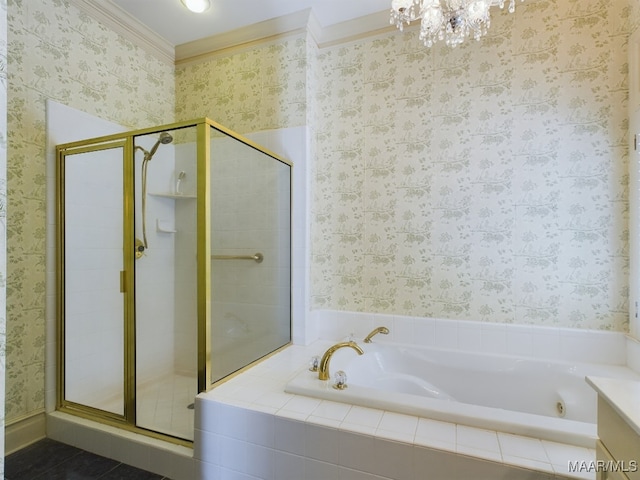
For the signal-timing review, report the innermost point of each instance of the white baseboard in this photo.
(24, 431)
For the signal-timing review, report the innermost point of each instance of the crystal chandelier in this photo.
(448, 20)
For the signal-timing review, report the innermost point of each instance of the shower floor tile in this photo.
(164, 405)
(51, 460)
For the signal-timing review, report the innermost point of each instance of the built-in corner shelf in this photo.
(176, 196)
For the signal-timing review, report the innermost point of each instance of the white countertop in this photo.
(622, 395)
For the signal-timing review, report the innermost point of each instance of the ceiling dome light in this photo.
(197, 6)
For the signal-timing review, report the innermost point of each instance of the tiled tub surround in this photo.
(549, 400)
(251, 428)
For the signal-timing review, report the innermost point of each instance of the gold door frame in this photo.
(127, 278)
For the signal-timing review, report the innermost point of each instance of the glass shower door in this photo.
(166, 281)
(93, 306)
(250, 254)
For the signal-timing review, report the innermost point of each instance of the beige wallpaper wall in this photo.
(488, 182)
(3, 213)
(57, 52)
(261, 88)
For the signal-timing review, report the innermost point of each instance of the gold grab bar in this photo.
(257, 257)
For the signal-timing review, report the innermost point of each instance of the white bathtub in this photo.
(549, 400)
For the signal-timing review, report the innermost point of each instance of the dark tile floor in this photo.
(51, 460)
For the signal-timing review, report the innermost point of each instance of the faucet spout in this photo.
(382, 330)
(323, 370)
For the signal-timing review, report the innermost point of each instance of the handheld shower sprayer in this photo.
(164, 139)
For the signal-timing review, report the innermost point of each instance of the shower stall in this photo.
(174, 270)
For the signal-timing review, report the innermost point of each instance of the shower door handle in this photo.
(258, 257)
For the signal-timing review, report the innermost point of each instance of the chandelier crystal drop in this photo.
(449, 20)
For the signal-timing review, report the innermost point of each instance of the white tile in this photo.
(260, 462)
(273, 400)
(523, 447)
(350, 474)
(359, 429)
(482, 453)
(446, 334)
(301, 404)
(393, 460)
(437, 429)
(477, 438)
(520, 340)
(433, 433)
(290, 436)
(494, 338)
(560, 454)
(401, 330)
(260, 428)
(316, 470)
(207, 471)
(233, 453)
(288, 466)
(397, 422)
(425, 331)
(546, 343)
(324, 422)
(300, 417)
(355, 451)
(527, 463)
(321, 444)
(469, 336)
(407, 438)
(367, 417)
(232, 421)
(332, 410)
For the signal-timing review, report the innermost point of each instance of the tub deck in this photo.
(252, 417)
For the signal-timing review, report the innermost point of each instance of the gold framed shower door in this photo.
(125, 144)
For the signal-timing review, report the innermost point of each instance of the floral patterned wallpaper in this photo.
(3, 214)
(258, 89)
(486, 182)
(56, 51)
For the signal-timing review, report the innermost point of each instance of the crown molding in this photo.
(300, 22)
(350, 30)
(268, 30)
(121, 22)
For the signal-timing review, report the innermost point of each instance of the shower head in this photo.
(164, 138)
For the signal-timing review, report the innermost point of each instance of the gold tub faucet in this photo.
(382, 330)
(323, 370)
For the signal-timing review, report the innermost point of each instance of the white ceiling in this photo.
(172, 21)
